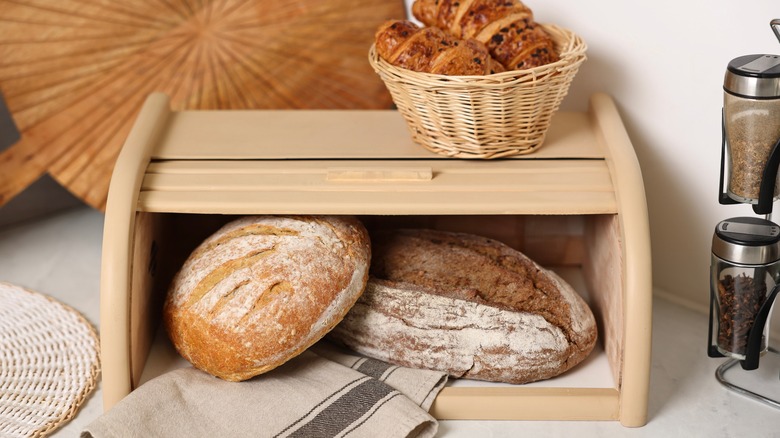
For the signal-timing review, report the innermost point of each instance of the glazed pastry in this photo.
(431, 50)
(506, 27)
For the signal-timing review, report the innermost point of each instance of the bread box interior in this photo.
(575, 206)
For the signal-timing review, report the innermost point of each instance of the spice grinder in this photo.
(745, 259)
(745, 276)
(751, 130)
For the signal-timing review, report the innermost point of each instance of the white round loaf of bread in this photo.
(469, 306)
(262, 289)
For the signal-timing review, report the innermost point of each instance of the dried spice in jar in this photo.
(745, 268)
(740, 298)
(752, 130)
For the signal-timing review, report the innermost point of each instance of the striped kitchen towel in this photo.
(324, 392)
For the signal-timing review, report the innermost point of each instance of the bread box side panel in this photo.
(634, 233)
(144, 303)
(603, 273)
(117, 251)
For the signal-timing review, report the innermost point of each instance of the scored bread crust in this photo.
(262, 289)
(470, 306)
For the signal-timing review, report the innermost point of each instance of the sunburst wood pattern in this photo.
(75, 72)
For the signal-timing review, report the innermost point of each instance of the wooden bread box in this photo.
(577, 206)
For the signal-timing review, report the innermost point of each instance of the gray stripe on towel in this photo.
(374, 368)
(345, 410)
(324, 402)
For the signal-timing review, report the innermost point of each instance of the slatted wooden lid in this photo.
(74, 73)
(321, 134)
(288, 162)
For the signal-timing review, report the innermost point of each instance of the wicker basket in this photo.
(491, 116)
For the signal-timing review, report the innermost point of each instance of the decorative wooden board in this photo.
(75, 73)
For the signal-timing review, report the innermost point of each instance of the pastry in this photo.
(431, 50)
(506, 27)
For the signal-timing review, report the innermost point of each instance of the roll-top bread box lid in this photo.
(334, 162)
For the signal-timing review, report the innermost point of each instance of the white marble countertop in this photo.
(60, 256)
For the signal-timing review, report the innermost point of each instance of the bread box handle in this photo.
(379, 174)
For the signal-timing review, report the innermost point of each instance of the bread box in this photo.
(577, 206)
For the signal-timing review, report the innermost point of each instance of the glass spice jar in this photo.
(745, 268)
(751, 116)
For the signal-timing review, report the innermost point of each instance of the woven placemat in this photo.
(49, 362)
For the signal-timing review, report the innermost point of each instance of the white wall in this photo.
(663, 62)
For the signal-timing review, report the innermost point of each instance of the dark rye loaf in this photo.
(467, 305)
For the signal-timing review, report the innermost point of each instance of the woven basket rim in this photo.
(94, 366)
(573, 53)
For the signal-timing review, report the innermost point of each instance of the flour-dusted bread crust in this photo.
(264, 288)
(467, 305)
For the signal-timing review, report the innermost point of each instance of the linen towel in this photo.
(323, 392)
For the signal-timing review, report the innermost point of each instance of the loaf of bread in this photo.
(264, 288)
(404, 44)
(469, 306)
(506, 27)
